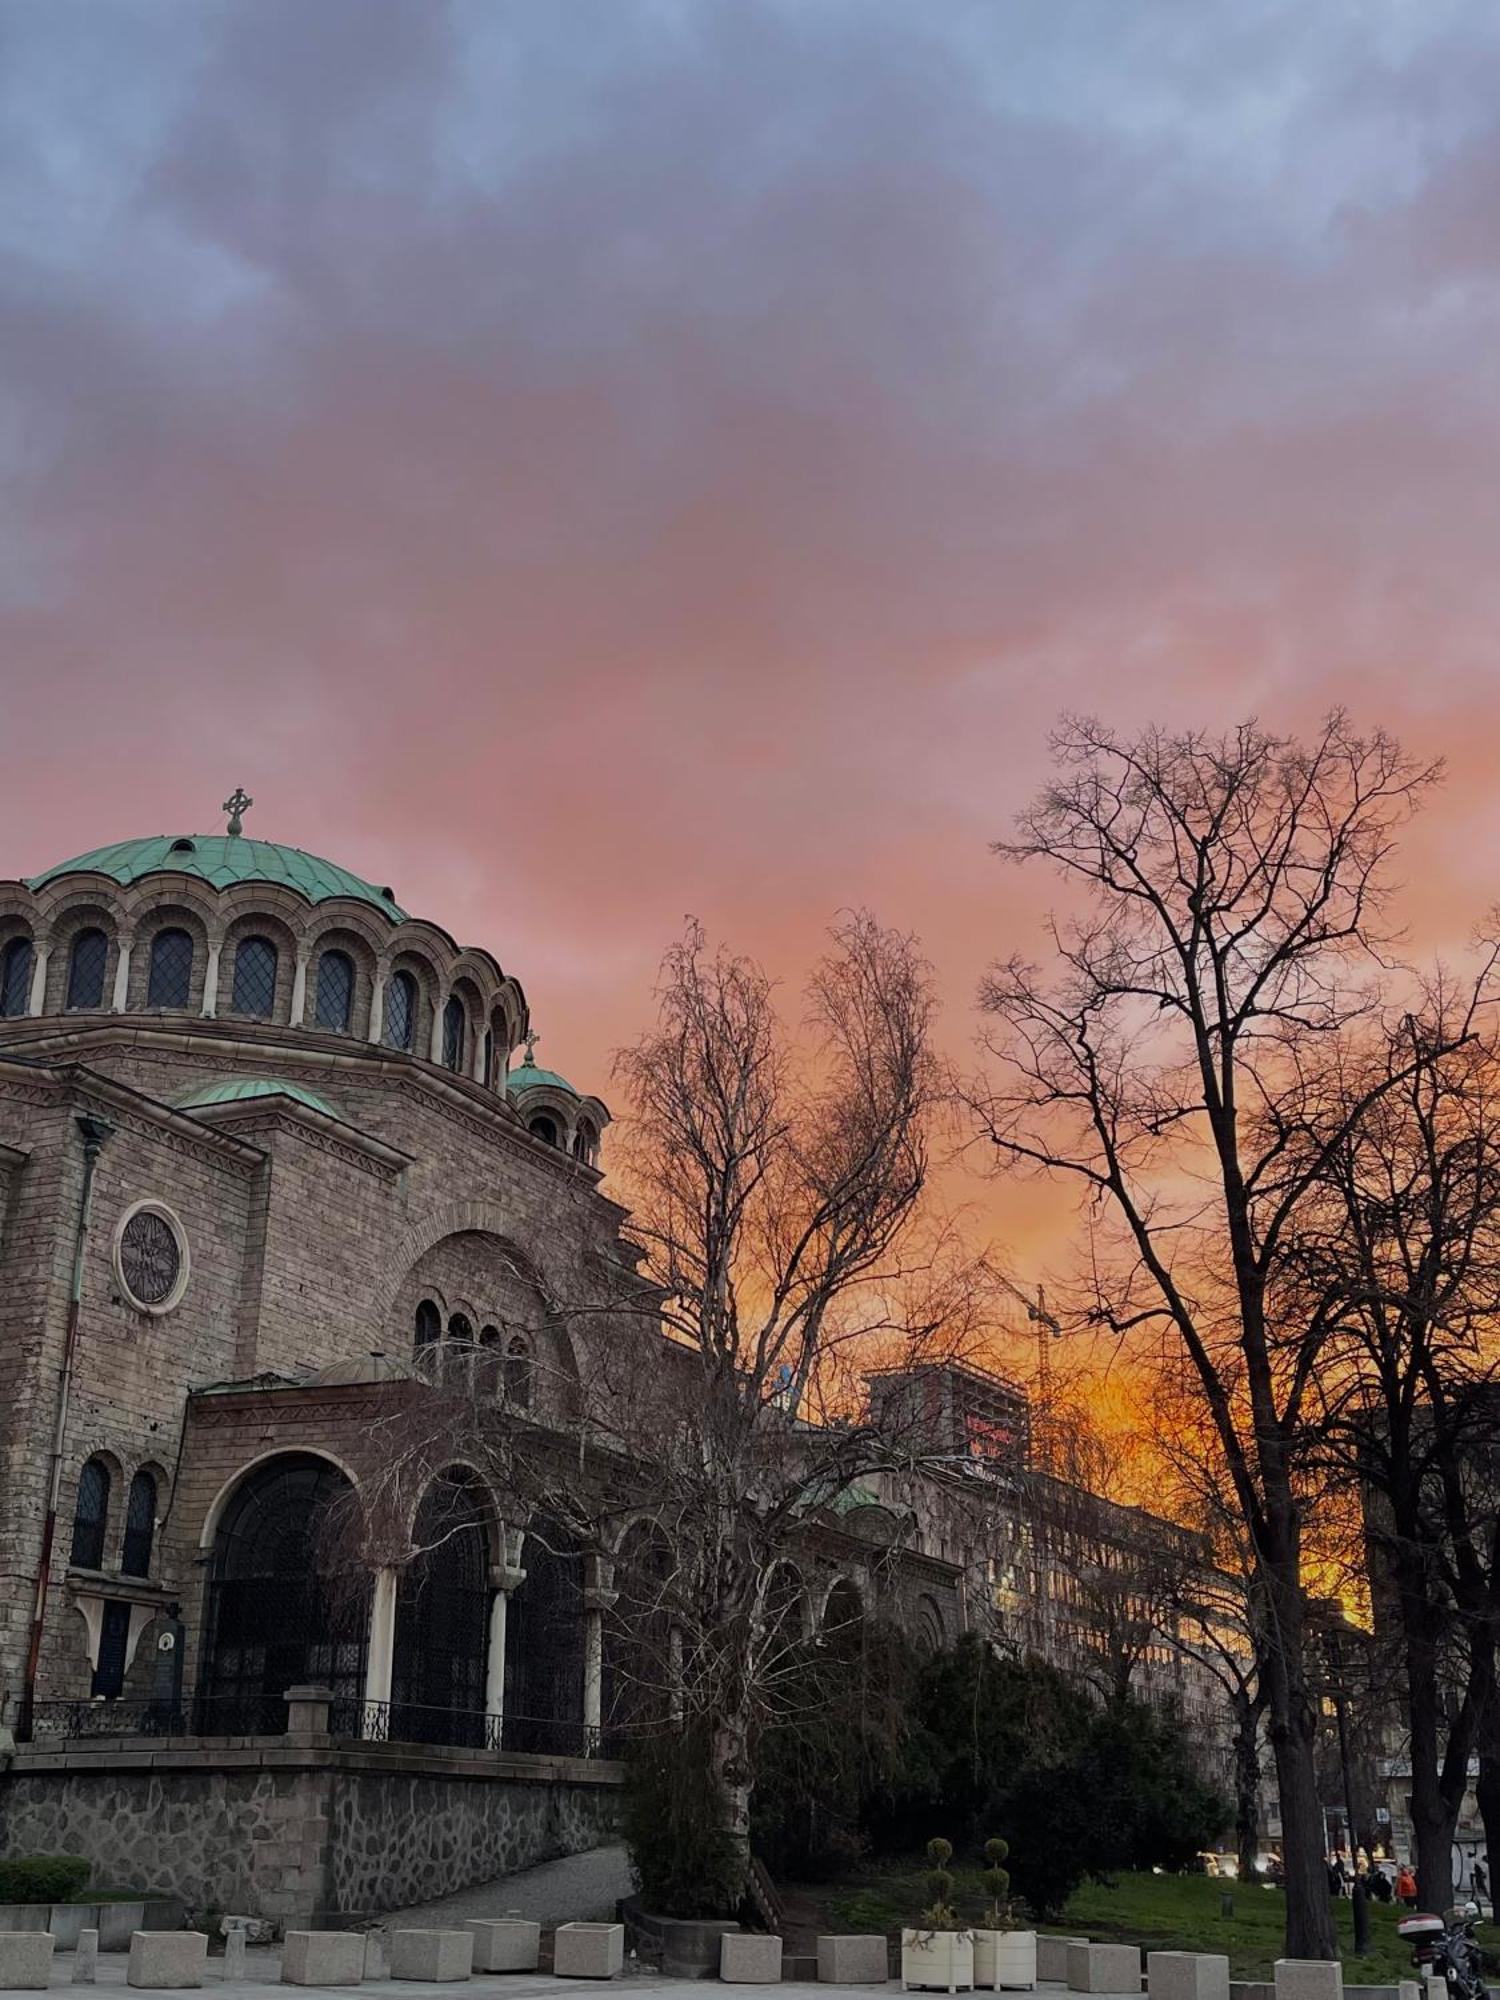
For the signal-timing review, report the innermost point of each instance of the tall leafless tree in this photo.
(783, 1251)
(1402, 1261)
(1226, 931)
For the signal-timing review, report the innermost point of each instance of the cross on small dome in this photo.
(237, 805)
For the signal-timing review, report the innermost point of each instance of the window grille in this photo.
(400, 1011)
(89, 1516)
(86, 969)
(335, 991)
(15, 978)
(171, 969)
(255, 978)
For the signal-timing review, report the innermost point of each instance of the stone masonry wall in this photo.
(397, 1841)
(287, 1841)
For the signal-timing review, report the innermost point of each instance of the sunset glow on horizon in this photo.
(584, 465)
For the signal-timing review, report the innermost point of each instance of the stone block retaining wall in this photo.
(290, 1834)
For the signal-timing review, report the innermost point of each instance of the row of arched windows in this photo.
(511, 1356)
(252, 991)
(91, 1520)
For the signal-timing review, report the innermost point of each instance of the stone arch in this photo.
(251, 919)
(423, 969)
(789, 1602)
(637, 1656)
(456, 1218)
(928, 1629)
(843, 1605)
(362, 951)
(441, 1656)
(544, 1647)
(81, 913)
(214, 1513)
(96, 1509)
(285, 1601)
(167, 914)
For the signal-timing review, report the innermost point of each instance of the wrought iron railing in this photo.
(414, 1722)
(349, 1719)
(102, 1718)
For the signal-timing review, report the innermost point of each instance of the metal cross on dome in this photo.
(236, 805)
(532, 1038)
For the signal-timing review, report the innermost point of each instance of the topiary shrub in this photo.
(43, 1878)
(940, 1914)
(997, 1881)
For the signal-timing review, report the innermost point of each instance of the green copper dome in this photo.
(222, 860)
(528, 1077)
(237, 1089)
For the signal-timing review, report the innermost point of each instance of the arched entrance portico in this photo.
(283, 1608)
(442, 1619)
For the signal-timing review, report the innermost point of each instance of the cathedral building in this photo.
(268, 1157)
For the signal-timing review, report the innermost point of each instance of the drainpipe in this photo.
(94, 1132)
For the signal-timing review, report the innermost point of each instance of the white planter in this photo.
(1004, 1959)
(941, 1961)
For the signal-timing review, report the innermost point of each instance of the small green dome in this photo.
(238, 1089)
(528, 1077)
(222, 860)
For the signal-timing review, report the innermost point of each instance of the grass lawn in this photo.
(1159, 1912)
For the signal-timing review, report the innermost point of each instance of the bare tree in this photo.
(1402, 1261)
(1227, 934)
(782, 1253)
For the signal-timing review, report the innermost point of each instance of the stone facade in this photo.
(328, 1833)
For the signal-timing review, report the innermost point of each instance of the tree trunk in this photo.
(1246, 1784)
(730, 1758)
(1310, 1929)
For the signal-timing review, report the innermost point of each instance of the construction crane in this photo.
(1049, 1328)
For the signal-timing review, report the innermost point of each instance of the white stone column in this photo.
(299, 990)
(504, 1577)
(40, 954)
(121, 996)
(597, 1599)
(211, 982)
(377, 1006)
(477, 1072)
(381, 1654)
(435, 1042)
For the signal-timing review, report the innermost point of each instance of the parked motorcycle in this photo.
(1447, 1946)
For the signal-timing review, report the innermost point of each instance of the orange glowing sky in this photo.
(586, 461)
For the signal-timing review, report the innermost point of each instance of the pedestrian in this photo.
(1335, 1876)
(1380, 1885)
(1480, 1882)
(1406, 1887)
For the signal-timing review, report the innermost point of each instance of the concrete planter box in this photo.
(941, 1961)
(750, 1958)
(1187, 1975)
(1052, 1956)
(67, 1920)
(1309, 1979)
(431, 1954)
(26, 1958)
(1104, 1968)
(167, 1958)
(588, 1951)
(859, 1960)
(1005, 1959)
(323, 1958)
(505, 1944)
(118, 1924)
